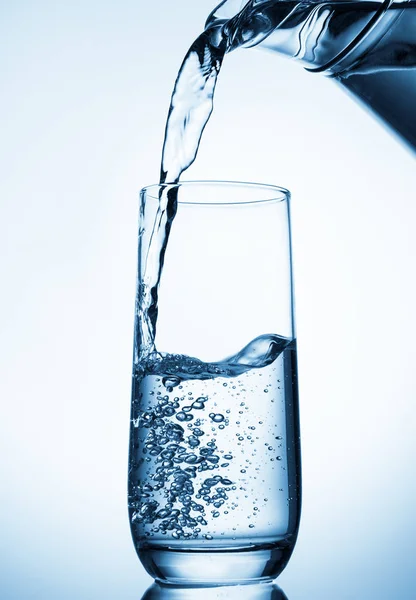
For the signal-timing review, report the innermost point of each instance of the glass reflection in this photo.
(259, 591)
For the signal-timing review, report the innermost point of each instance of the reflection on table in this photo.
(260, 591)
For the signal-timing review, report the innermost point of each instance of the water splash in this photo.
(260, 352)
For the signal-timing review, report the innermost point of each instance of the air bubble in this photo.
(197, 405)
(171, 382)
(191, 459)
(193, 441)
(217, 418)
(181, 416)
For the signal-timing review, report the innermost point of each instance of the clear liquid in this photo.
(214, 452)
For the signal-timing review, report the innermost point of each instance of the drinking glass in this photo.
(214, 469)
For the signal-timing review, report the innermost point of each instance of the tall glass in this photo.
(214, 472)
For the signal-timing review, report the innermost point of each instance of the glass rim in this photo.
(276, 193)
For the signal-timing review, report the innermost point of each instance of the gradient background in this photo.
(85, 87)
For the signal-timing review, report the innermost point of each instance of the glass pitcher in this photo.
(367, 46)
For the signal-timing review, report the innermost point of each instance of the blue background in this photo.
(85, 88)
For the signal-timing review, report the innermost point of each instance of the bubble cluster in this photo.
(196, 454)
(177, 458)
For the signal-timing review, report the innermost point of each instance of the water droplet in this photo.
(251, 526)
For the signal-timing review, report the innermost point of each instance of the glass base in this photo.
(216, 567)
